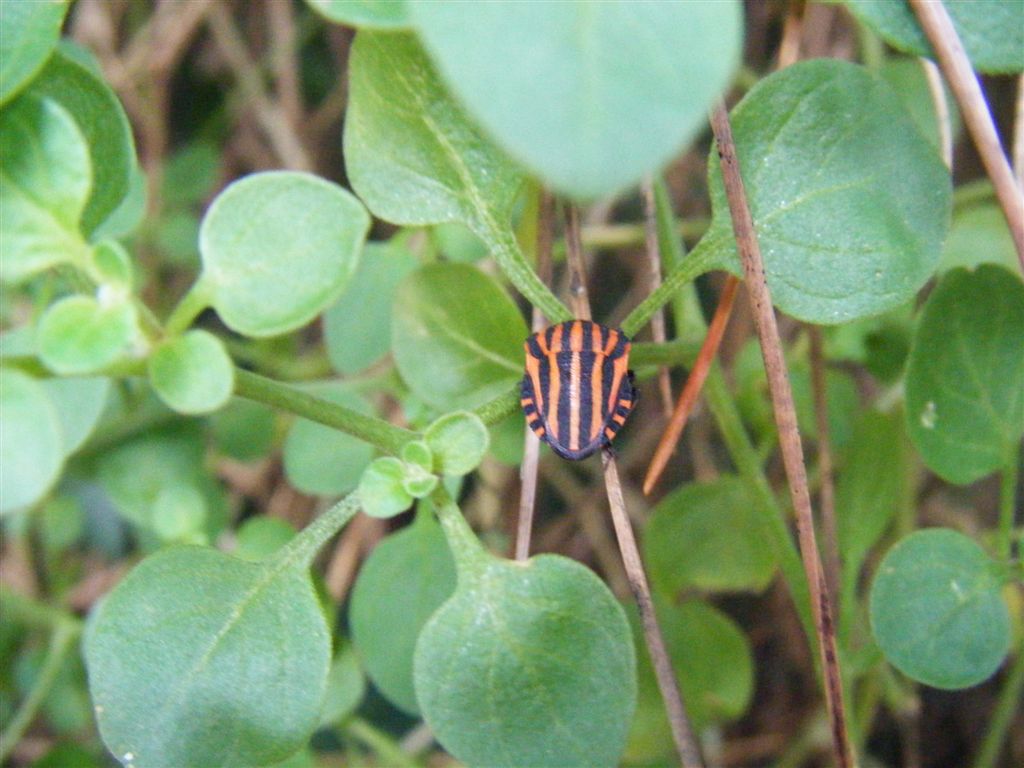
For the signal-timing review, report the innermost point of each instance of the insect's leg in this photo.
(528, 401)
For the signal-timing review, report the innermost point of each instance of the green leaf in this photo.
(244, 430)
(357, 329)
(79, 403)
(456, 335)
(261, 536)
(418, 482)
(403, 581)
(30, 33)
(127, 217)
(871, 484)
(992, 31)
(418, 453)
(197, 658)
(458, 442)
(542, 650)
(850, 204)
(179, 514)
(382, 490)
(79, 334)
(43, 192)
(707, 536)
(713, 664)
(324, 461)
(31, 449)
(936, 610)
(979, 235)
(376, 14)
(112, 266)
(346, 686)
(192, 373)
(907, 78)
(278, 248)
(104, 124)
(589, 95)
(965, 402)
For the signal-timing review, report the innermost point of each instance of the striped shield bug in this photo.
(577, 391)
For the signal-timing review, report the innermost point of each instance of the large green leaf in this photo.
(707, 536)
(278, 248)
(456, 336)
(383, 14)
(992, 31)
(31, 447)
(936, 610)
(965, 397)
(30, 32)
(404, 580)
(590, 95)
(102, 120)
(198, 658)
(850, 203)
(528, 664)
(45, 181)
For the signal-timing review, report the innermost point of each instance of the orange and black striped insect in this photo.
(577, 391)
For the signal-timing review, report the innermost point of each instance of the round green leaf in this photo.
(456, 335)
(418, 482)
(992, 31)
(261, 536)
(244, 430)
(382, 491)
(278, 248)
(713, 663)
(179, 514)
(418, 453)
(936, 610)
(979, 235)
(357, 329)
(707, 536)
(528, 664)
(379, 14)
(44, 192)
(404, 580)
(31, 448)
(102, 120)
(78, 334)
(458, 442)
(346, 686)
(192, 373)
(850, 203)
(589, 95)
(965, 400)
(412, 156)
(197, 658)
(79, 403)
(324, 461)
(112, 265)
(30, 32)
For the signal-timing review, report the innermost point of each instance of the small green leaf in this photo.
(261, 536)
(244, 430)
(179, 514)
(192, 373)
(382, 488)
(457, 336)
(412, 156)
(197, 658)
(589, 95)
(103, 122)
(713, 663)
(78, 334)
(30, 32)
(979, 235)
(457, 242)
(965, 402)
(346, 686)
(31, 449)
(418, 453)
(417, 482)
(936, 610)
(707, 536)
(79, 403)
(404, 580)
(357, 329)
(850, 204)
(992, 31)
(278, 248)
(44, 192)
(458, 441)
(112, 265)
(126, 219)
(544, 651)
(324, 461)
(376, 14)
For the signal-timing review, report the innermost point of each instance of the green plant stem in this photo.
(192, 304)
(973, 193)
(384, 747)
(617, 236)
(61, 639)
(1009, 700)
(386, 437)
(1007, 503)
(500, 407)
(506, 250)
(21, 609)
(303, 548)
(467, 551)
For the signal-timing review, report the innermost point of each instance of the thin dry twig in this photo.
(956, 66)
(284, 61)
(826, 493)
(682, 731)
(654, 276)
(1018, 134)
(789, 435)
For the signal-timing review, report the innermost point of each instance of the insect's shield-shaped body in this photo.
(578, 389)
